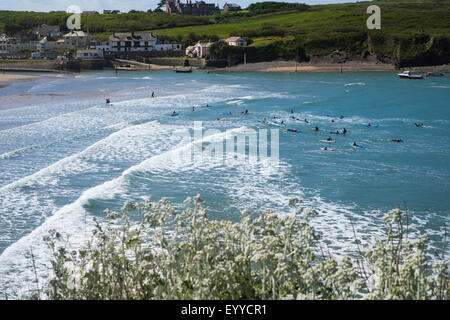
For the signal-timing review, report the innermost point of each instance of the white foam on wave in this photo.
(27, 201)
(71, 219)
(355, 84)
(441, 87)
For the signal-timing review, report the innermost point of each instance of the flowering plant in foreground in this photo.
(171, 255)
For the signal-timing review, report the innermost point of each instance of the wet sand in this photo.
(8, 78)
(292, 66)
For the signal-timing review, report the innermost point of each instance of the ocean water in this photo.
(65, 156)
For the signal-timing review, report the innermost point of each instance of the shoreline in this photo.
(8, 78)
(349, 66)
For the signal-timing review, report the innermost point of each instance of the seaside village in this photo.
(50, 42)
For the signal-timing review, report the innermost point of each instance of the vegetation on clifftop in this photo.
(150, 251)
(412, 32)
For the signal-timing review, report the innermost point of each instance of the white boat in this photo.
(409, 75)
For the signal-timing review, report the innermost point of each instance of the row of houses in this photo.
(117, 42)
(201, 49)
(133, 42)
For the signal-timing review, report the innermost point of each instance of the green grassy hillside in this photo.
(412, 32)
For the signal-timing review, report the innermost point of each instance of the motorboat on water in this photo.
(182, 70)
(409, 75)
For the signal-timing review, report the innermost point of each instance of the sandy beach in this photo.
(6, 78)
(292, 66)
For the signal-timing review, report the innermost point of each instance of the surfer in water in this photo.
(306, 120)
(396, 140)
(193, 108)
(174, 112)
(419, 125)
(108, 101)
(341, 117)
(292, 110)
(264, 120)
(354, 144)
(329, 139)
(344, 131)
(153, 94)
(332, 120)
(315, 129)
(336, 132)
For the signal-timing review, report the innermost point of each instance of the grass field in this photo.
(408, 28)
(398, 18)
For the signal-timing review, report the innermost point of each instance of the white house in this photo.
(4, 43)
(89, 54)
(77, 39)
(130, 41)
(236, 42)
(135, 42)
(100, 45)
(45, 45)
(201, 49)
(166, 46)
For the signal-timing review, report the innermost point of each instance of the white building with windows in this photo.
(236, 42)
(105, 46)
(135, 42)
(90, 54)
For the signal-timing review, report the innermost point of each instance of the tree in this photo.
(161, 3)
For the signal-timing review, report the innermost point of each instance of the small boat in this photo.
(409, 75)
(434, 74)
(183, 70)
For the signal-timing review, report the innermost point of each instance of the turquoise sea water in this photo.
(65, 156)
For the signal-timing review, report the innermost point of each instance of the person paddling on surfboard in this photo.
(354, 144)
(315, 129)
(420, 125)
(174, 112)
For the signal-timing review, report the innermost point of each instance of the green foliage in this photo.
(183, 255)
(97, 23)
(327, 28)
(272, 6)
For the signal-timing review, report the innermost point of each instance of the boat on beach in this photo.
(409, 75)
